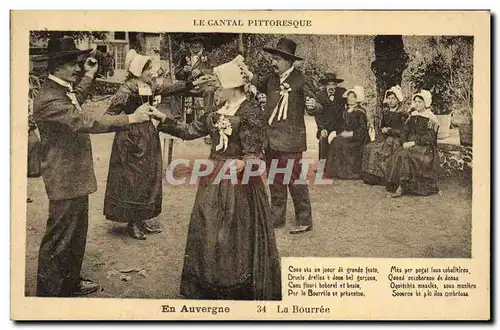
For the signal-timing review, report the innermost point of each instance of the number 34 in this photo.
(261, 309)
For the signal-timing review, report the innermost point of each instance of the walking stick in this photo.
(169, 147)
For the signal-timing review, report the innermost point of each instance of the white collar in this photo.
(196, 57)
(427, 113)
(61, 82)
(230, 109)
(285, 74)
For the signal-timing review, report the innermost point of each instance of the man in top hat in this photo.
(67, 166)
(289, 94)
(333, 103)
(190, 66)
(194, 63)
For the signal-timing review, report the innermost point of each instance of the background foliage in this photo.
(441, 64)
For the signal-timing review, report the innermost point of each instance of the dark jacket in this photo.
(288, 135)
(67, 164)
(180, 74)
(330, 117)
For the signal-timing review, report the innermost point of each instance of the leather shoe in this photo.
(398, 192)
(300, 229)
(150, 230)
(135, 232)
(85, 287)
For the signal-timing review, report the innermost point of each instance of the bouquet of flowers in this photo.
(225, 130)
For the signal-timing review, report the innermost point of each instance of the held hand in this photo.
(251, 89)
(196, 73)
(161, 116)
(140, 115)
(408, 145)
(385, 129)
(240, 165)
(90, 66)
(156, 114)
(324, 133)
(206, 80)
(310, 103)
(188, 68)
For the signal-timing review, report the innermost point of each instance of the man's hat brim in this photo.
(281, 53)
(44, 57)
(324, 81)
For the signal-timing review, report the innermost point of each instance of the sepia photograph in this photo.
(391, 117)
(253, 159)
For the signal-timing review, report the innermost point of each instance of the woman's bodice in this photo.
(421, 130)
(393, 119)
(233, 136)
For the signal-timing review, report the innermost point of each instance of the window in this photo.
(119, 51)
(120, 36)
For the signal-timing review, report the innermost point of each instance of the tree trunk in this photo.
(391, 60)
(351, 58)
(241, 45)
(170, 59)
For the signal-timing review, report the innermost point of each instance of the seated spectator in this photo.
(413, 169)
(345, 155)
(378, 152)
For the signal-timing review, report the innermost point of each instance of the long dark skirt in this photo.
(344, 159)
(134, 187)
(415, 169)
(375, 159)
(231, 251)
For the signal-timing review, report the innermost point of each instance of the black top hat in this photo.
(284, 48)
(330, 76)
(61, 47)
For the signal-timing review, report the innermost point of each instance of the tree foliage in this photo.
(434, 76)
(444, 66)
(42, 36)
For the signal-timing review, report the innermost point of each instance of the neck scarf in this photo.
(281, 109)
(224, 125)
(70, 92)
(427, 113)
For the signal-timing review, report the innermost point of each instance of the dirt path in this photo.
(350, 220)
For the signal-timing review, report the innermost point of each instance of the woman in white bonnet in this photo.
(345, 154)
(134, 185)
(378, 152)
(413, 169)
(231, 249)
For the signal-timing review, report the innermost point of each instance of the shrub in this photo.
(434, 76)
